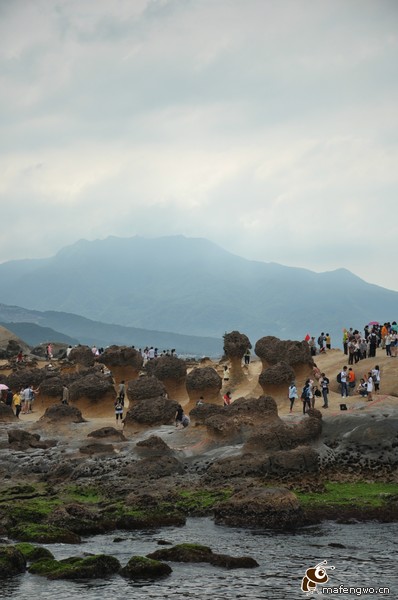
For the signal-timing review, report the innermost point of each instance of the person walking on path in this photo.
(16, 400)
(350, 381)
(292, 394)
(306, 396)
(324, 381)
(369, 386)
(122, 390)
(119, 407)
(343, 382)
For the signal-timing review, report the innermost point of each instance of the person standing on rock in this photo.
(122, 390)
(227, 399)
(306, 396)
(65, 394)
(343, 382)
(179, 415)
(247, 357)
(292, 394)
(119, 407)
(324, 382)
(16, 400)
(369, 386)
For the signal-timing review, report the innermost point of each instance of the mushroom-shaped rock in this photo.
(62, 413)
(12, 562)
(141, 567)
(235, 346)
(271, 350)
(145, 387)
(275, 379)
(151, 411)
(124, 362)
(204, 382)
(94, 395)
(82, 356)
(171, 371)
(273, 508)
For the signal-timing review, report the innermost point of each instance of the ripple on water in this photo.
(363, 554)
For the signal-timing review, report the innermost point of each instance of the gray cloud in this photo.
(268, 127)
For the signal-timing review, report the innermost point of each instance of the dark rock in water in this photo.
(62, 413)
(43, 534)
(78, 518)
(153, 446)
(141, 567)
(195, 553)
(273, 508)
(12, 562)
(20, 439)
(6, 413)
(107, 432)
(97, 448)
(152, 411)
(33, 553)
(154, 467)
(76, 567)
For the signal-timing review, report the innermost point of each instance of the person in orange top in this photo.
(351, 380)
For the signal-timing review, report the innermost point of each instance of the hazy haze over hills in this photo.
(193, 287)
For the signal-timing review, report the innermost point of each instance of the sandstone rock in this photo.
(204, 382)
(62, 413)
(154, 467)
(108, 432)
(235, 346)
(279, 374)
(272, 350)
(124, 362)
(6, 414)
(19, 439)
(171, 371)
(152, 411)
(82, 355)
(153, 446)
(273, 508)
(144, 388)
(97, 448)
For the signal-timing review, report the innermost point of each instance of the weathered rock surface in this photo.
(141, 567)
(195, 553)
(274, 508)
(62, 413)
(152, 411)
(12, 562)
(19, 439)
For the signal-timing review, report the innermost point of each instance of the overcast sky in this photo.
(267, 126)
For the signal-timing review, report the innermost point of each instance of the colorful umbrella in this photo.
(3, 386)
(374, 323)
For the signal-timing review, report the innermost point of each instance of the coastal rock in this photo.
(12, 562)
(77, 518)
(271, 350)
(171, 371)
(271, 378)
(154, 467)
(6, 414)
(141, 567)
(235, 346)
(153, 446)
(97, 448)
(196, 553)
(273, 508)
(124, 362)
(108, 432)
(204, 382)
(152, 411)
(62, 413)
(20, 439)
(144, 388)
(75, 567)
(93, 393)
(82, 356)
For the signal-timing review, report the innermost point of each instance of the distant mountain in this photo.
(36, 327)
(192, 287)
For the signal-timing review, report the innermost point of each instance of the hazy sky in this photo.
(267, 126)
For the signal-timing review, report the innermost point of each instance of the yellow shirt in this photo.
(16, 400)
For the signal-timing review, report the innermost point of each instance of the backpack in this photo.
(338, 378)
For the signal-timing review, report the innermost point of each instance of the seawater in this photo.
(363, 554)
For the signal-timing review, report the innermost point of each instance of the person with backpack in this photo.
(292, 394)
(324, 382)
(306, 396)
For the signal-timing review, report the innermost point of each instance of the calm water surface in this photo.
(368, 558)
